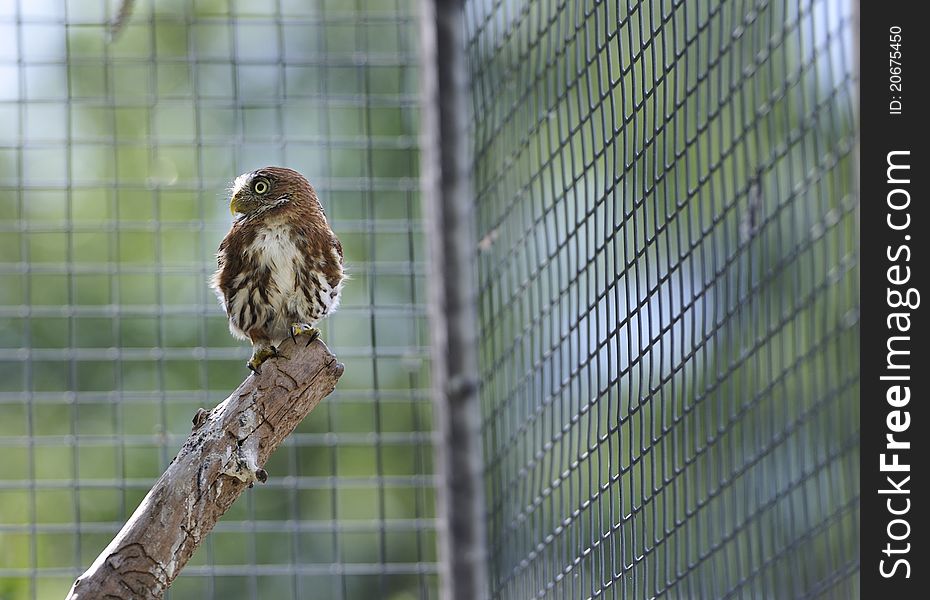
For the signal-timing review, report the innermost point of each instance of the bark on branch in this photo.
(223, 455)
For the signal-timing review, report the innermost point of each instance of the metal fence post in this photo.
(449, 215)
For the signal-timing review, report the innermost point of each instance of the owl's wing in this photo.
(338, 246)
(229, 265)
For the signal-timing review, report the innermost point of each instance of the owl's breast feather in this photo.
(274, 249)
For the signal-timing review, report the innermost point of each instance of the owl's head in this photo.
(267, 188)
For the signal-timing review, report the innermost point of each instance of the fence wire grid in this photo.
(668, 297)
(114, 160)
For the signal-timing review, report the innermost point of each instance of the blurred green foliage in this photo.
(114, 159)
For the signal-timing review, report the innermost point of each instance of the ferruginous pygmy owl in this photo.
(280, 266)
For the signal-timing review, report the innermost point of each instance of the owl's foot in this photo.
(259, 356)
(310, 331)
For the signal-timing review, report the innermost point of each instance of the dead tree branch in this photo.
(223, 455)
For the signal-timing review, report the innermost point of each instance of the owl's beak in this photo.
(235, 205)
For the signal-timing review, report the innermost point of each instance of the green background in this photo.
(115, 157)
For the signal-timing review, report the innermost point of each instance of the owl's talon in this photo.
(259, 356)
(278, 353)
(310, 331)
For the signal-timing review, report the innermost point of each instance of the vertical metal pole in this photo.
(449, 214)
(857, 185)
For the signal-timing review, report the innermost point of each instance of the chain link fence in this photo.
(668, 297)
(114, 160)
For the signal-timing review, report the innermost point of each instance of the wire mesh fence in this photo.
(114, 159)
(668, 297)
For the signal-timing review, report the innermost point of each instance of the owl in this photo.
(280, 269)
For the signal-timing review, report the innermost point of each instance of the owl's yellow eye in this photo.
(261, 186)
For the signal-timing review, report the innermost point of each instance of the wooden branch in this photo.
(121, 19)
(223, 455)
